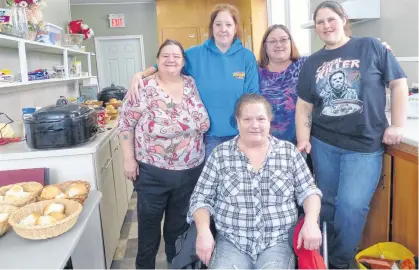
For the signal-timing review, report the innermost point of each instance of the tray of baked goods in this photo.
(40, 212)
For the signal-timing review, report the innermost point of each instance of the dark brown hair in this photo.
(336, 8)
(263, 56)
(168, 42)
(252, 98)
(234, 12)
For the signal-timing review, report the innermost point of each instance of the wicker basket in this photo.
(64, 185)
(33, 187)
(72, 211)
(4, 226)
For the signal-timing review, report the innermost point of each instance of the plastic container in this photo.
(73, 40)
(54, 33)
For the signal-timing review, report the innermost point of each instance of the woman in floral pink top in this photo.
(162, 140)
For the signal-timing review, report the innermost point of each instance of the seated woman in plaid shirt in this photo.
(250, 186)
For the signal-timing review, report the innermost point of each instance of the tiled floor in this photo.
(127, 248)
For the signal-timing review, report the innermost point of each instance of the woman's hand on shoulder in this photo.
(310, 236)
(137, 83)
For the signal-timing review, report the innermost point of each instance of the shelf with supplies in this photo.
(47, 81)
(24, 46)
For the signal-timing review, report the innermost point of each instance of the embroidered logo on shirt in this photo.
(239, 75)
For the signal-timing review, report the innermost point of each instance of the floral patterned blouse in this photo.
(167, 135)
(279, 88)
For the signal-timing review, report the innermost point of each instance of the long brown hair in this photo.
(338, 9)
(234, 12)
(263, 56)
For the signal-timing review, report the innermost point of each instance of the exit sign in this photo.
(116, 20)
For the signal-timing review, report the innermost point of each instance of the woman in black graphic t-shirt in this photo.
(340, 119)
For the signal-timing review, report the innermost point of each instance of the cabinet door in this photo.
(187, 36)
(405, 203)
(108, 208)
(120, 182)
(378, 223)
(203, 34)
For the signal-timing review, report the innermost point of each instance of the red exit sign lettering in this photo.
(116, 20)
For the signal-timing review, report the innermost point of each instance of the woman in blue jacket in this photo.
(223, 70)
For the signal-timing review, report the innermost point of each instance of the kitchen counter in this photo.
(20, 150)
(20, 253)
(411, 135)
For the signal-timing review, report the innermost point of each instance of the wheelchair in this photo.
(186, 257)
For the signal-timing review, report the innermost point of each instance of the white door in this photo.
(118, 58)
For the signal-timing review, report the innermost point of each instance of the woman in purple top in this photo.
(279, 67)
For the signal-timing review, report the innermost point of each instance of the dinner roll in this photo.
(54, 207)
(50, 192)
(30, 220)
(45, 220)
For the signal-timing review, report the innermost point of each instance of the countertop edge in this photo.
(88, 148)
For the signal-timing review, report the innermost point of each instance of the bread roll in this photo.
(61, 196)
(75, 190)
(50, 192)
(1, 198)
(11, 198)
(3, 217)
(15, 189)
(57, 216)
(54, 207)
(113, 100)
(46, 220)
(30, 220)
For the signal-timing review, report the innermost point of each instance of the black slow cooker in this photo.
(59, 126)
(112, 91)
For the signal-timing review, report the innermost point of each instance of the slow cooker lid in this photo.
(113, 88)
(55, 112)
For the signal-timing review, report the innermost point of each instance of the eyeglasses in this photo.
(273, 42)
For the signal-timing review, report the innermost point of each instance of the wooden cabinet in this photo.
(393, 212)
(203, 34)
(108, 206)
(176, 19)
(187, 36)
(377, 227)
(405, 203)
(119, 181)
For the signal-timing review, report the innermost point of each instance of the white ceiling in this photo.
(84, 2)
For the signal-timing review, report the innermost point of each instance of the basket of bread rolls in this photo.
(73, 190)
(45, 219)
(20, 194)
(5, 211)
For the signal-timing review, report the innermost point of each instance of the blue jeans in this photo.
(212, 141)
(348, 181)
(227, 256)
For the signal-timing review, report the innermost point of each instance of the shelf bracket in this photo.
(23, 61)
(89, 64)
(65, 63)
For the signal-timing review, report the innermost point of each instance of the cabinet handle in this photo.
(105, 167)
